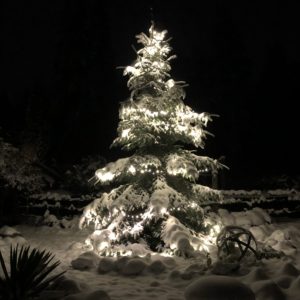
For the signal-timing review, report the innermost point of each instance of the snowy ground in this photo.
(168, 279)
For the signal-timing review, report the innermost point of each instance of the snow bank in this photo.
(254, 217)
(280, 240)
(123, 265)
(276, 278)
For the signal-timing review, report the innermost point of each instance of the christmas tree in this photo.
(156, 201)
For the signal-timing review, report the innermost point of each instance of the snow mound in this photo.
(262, 214)
(287, 247)
(193, 270)
(179, 238)
(254, 217)
(278, 236)
(8, 231)
(173, 275)
(69, 286)
(86, 261)
(292, 233)
(289, 270)
(98, 295)
(296, 285)
(157, 267)
(284, 281)
(168, 261)
(196, 268)
(225, 268)
(173, 232)
(226, 218)
(256, 274)
(136, 249)
(134, 266)
(187, 275)
(124, 265)
(9, 235)
(120, 263)
(267, 290)
(218, 287)
(279, 240)
(259, 232)
(106, 265)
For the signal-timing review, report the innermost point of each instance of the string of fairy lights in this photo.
(174, 167)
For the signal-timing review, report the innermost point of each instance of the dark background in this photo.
(241, 60)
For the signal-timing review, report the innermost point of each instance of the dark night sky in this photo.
(241, 61)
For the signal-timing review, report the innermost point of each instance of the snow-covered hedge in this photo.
(258, 196)
(63, 203)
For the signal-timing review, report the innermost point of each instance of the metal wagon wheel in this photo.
(236, 236)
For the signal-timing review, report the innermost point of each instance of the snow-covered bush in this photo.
(51, 220)
(20, 173)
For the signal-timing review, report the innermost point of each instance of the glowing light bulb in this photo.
(159, 36)
(104, 176)
(112, 236)
(131, 70)
(193, 204)
(151, 50)
(163, 210)
(132, 169)
(217, 228)
(170, 83)
(125, 133)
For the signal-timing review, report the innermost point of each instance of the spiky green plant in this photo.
(28, 276)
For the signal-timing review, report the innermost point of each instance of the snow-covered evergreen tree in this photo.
(156, 200)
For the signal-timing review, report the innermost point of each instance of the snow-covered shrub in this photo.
(51, 220)
(20, 173)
